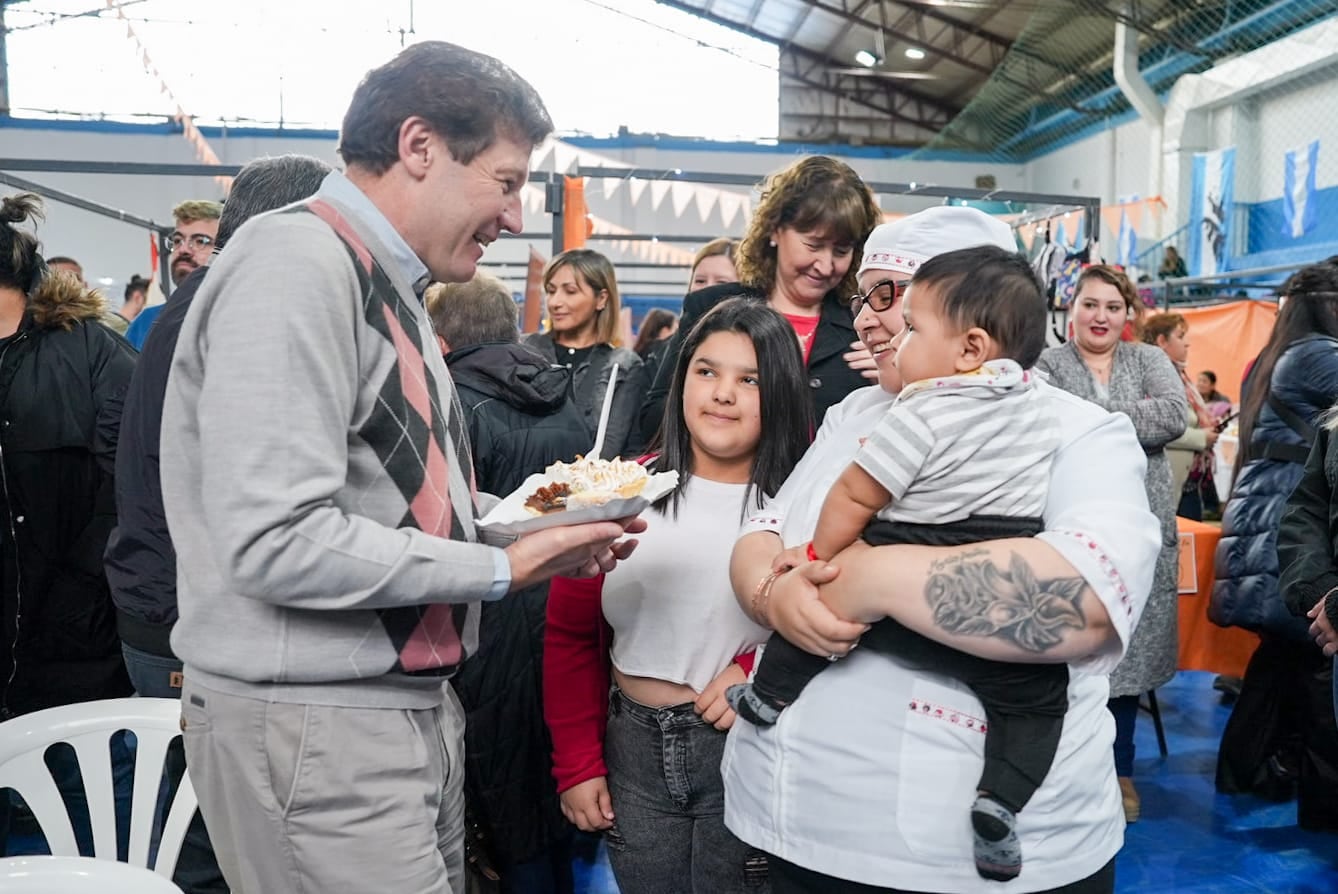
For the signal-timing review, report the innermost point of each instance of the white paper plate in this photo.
(511, 517)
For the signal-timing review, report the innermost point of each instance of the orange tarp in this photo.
(1225, 338)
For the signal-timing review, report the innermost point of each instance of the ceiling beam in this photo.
(849, 89)
(856, 19)
(818, 59)
(932, 12)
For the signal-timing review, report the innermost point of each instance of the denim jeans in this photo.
(669, 834)
(197, 871)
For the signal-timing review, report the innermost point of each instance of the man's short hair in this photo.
(266, 184)
(467, 98)
(473, 313)
(197, 209)
(63, 259)
(995, 290)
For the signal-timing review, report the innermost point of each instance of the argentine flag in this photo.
(1298, 190)
(1212, 182)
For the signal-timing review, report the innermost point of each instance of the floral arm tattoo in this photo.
(972, 596)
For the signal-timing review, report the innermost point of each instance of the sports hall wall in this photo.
(1262, 114)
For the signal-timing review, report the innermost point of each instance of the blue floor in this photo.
(1190, 840)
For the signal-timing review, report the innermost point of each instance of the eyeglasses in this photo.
(197, 240)
(883, 295)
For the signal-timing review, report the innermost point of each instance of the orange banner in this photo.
(1225, 338)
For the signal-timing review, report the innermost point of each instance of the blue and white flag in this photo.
(1298, 190)
(1211, 191)
(1127, 248)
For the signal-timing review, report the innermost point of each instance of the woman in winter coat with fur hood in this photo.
(63, 377)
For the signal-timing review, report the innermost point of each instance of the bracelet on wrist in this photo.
(811, 552)
(762, 598)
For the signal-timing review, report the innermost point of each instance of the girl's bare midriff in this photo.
(653, 693)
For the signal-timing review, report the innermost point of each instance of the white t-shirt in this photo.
(870, 776)
(671, 607)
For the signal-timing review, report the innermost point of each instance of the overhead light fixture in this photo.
(865, 58)
(915, 53)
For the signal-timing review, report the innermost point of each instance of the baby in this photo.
(963, 455)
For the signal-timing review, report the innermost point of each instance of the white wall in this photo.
(112, 250)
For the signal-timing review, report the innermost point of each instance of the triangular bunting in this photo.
(635, 188)
(658, 190)
(681, 194)
(706, 200)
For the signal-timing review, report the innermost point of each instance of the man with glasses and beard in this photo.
(190, 245)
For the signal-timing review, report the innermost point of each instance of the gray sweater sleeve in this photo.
(268, 374)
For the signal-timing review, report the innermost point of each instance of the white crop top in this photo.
(670, 605)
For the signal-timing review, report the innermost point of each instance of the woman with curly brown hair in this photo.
(796, 256)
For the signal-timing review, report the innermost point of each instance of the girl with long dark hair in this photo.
(665, 630)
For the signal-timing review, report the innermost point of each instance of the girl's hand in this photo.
(711, 704)
(587, 805)
(859, 359)
(1321, 630)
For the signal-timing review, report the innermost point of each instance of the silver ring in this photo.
(833, 657)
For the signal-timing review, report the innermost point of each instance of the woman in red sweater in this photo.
(636, 663)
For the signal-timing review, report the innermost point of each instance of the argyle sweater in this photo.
(318, 500)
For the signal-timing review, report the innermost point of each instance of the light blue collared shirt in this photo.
(342, 190)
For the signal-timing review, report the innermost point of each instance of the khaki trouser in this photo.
(325, 800)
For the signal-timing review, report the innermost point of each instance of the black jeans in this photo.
(669, 834)
(1024, 703)
(787, 878)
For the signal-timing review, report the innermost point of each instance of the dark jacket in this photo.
(830, 378)
(521, 414)
(141, 563)
(1307, 555)
(1246, 592)
(521, 418)
(63, 378)
(589, 381)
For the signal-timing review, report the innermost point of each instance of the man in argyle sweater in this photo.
(319, 491)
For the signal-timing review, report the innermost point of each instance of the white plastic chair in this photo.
(79, 875)
(88, 727)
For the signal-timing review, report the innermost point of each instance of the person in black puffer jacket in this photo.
(1274, 741)
(521, 418)
(63, 378)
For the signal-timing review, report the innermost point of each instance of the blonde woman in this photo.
(583, 335)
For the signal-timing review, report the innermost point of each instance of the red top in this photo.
(577, 674)
(804, 327)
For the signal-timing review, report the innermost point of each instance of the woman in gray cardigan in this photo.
(1139, 381)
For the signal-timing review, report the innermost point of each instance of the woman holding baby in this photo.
(865, 783)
